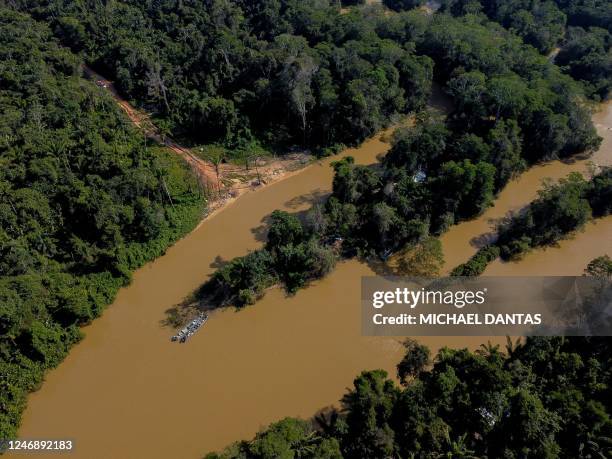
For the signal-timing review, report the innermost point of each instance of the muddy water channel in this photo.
(126, 391)
(572, 256)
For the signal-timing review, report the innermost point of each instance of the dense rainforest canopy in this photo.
(279, 72)
(544, 398)
(580, 31)
(286, 72)
(83, 202)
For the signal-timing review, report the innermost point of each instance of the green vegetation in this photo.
(83, 202)
(580, 28)
(423, 259)
(559, 210)
(587, 57)
(476, 265)
(286, 439)
(292, 256)
(540, 23)
(399, 5)
(414, 362)
(546, 398)
(585, 13)
(239, 73)
(513, 108)
(600, 267)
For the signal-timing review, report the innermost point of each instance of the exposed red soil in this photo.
(224, 182)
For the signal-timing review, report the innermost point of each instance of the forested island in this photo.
(560, 210)
(84, 200)
(542, 398)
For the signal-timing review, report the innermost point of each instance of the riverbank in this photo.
(140, 380)
(594, 240)
(223, 183)
(125, 383)
(462, 241)
(275, 171)
(189, 267)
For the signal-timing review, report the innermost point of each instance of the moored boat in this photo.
(190, 329)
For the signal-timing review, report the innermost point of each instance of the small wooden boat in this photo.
(189, 330)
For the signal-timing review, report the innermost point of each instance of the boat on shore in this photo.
(189, 330)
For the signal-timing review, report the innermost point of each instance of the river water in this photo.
(464, 239)
(571, 256)
(126, 391)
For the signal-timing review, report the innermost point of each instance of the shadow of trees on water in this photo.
(307, 199)
(484, 239)
(201, 300)
(208, 296)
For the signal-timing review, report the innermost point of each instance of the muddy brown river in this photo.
(126, 391)
(464, 239)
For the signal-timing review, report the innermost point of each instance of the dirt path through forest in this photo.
(223, 182)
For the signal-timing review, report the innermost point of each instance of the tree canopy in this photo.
(280, 72)
(512, 108)
(84, 201)
(560, 209)
(578, 30)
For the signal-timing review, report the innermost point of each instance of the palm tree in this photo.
(306, 445)
(512, 348)
(458, 450)
(327, 424)
(487, 350)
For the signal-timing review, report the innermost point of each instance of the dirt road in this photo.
(224, 182)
